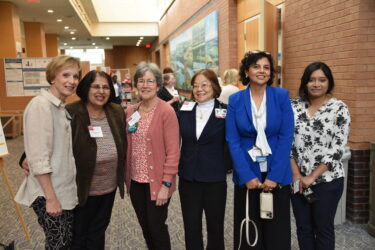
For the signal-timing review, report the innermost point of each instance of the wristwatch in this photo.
(167, 184)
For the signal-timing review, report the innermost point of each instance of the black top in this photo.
(205, 159)
(166, 96)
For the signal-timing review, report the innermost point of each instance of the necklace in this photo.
(201, 115)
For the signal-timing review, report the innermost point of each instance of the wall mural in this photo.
(196, 48)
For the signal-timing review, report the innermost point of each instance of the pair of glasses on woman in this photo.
(147, 82)
(99, 87)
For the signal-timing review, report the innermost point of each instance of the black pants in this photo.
(58, 230)
(274, 234)
(197, 197)
(151, 217)
(315, 222)
(91, 221)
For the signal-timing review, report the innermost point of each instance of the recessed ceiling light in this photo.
(96, 47)
(50, 11)
(141, 37)
(72, 32)
(107, 38)
(93, 43)
(137, 45)
(66, 27)
(73, 38)
(59, 20)
(65, 44)
(71, 47)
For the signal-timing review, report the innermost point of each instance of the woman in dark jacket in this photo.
(99, 146)
(202, 168)
(168, 93)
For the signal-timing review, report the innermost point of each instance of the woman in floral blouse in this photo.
(321, 133)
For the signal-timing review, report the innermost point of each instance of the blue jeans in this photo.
(315, 221)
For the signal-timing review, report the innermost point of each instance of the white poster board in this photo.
(3, 143)
(25, 76)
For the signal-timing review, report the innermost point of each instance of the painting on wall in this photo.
(196, 48)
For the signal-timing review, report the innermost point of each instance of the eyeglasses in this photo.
(147, 82)
(202, 85)
(99, 87)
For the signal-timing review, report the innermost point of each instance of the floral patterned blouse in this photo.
(321, 138)
(139, 171)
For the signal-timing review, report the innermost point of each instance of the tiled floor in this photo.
(124, 231)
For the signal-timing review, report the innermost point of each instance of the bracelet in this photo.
(167, 184)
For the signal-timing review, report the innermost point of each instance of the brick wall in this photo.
(342, 34)
(184, 14)
(357, 199)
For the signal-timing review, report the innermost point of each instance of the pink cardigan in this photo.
(162, 147)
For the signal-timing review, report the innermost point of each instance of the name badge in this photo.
(187, 106)
(220, 113)
(134, 118)
(95, 131)
(254, 152)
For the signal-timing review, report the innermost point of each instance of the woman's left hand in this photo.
(162, 198)
(268, 185)
(307, 181)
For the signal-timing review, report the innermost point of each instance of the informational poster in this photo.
(3, 143)
(25, 77)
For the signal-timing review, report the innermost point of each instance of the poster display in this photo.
(196, 48)
(3, 143)
(25, 77)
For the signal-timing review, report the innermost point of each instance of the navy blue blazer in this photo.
(204, 159)
(241, 136)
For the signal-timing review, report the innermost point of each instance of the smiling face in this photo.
(259, 73)
(202, 89)
(147, 86)
(99, 92)
(318, 84)
(65, 82)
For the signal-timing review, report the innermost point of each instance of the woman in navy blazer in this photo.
(202, 168)
(261, 159)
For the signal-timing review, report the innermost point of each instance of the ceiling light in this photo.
(96, 47)
(50, 11)
(66, 27)
(72, 32)
(59, 20)
(137, 45)
(73, 38)
(139, 41)
(70, 47)
(93, 43)
(65, 44)
(141, 37)
(107, 38)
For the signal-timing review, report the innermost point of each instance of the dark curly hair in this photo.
(250, 58)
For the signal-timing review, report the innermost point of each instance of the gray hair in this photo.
(143, 67)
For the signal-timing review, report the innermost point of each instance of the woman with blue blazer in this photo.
(259, 131)
(202, 168)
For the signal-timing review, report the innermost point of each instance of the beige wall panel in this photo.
(247, 9)
(252, 35)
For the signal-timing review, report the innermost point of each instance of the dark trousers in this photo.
(91, 221)
(195, 198)
(58, 230)
(152, 218)
(315, 222)
(272, 234)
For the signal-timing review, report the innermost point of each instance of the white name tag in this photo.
(95, 131)
(187, 106)
(134, 118)
(220, 113)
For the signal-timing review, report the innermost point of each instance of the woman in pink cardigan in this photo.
(152, 156)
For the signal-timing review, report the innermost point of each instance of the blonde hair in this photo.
(59, 62)
(230, 77)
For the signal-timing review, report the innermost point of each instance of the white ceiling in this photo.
(126, 31)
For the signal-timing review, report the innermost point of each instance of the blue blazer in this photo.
(204, 159)
(241, 136)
